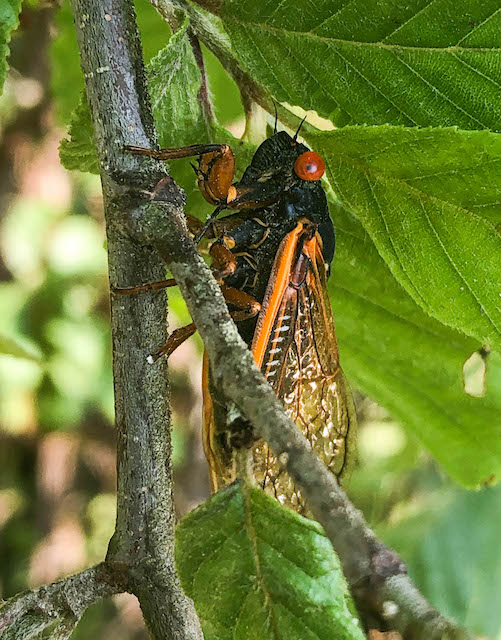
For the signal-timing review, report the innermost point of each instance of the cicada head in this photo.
(279, 164)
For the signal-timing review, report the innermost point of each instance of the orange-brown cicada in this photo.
(272, 259)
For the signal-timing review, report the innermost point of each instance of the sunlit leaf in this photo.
(412, 63)
(410, 363)
(421, 194)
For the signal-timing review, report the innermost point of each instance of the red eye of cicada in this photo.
(309, 166)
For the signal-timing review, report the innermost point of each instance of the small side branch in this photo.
(61, 603)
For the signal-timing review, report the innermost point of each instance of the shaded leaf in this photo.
(9, 20)
(174, 82)
(450, 548)
(412, 63)
(257, 570)
(410, 363)
(421, 194)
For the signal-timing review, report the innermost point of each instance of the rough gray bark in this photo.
(144, 538)
(62, 602)
(141, 553)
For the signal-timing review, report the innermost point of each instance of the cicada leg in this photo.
(215, 173)
(176, 339)
(249, 307)
(215, 170)
(224, 262)
(194, 225)
(141, 288)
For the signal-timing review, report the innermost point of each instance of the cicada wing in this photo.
(219, 456)
(300, 359)
(295, 346)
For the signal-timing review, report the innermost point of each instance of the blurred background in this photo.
(57, 442)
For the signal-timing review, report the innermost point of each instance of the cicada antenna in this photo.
(298, 129)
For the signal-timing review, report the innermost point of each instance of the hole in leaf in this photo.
(474, 373)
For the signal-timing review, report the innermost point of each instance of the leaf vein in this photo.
(343, 42)
(436, 89)
(401, 26)
(477, 71)
(478, 26)
(333, 15)
(456, 268)
(377, 89)
(390, 237)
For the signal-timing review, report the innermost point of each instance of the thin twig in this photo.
(203, 94)
(62, 602)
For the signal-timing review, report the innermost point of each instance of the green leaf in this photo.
(256, 570)
(410, 363)
(421, 194)
(13, 347)
(451, 546)
(412, 63)
(9, 20)
(174, 82)
(78, 152)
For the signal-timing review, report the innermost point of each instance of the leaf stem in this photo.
(211, 32)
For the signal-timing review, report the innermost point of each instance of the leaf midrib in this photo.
(275, 31)
(253, 538)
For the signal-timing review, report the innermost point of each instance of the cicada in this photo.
(272, 258)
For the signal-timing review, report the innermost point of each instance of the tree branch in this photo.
(144, 537)
(63, 602)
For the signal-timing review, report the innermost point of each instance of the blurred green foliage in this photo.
(56, 402)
